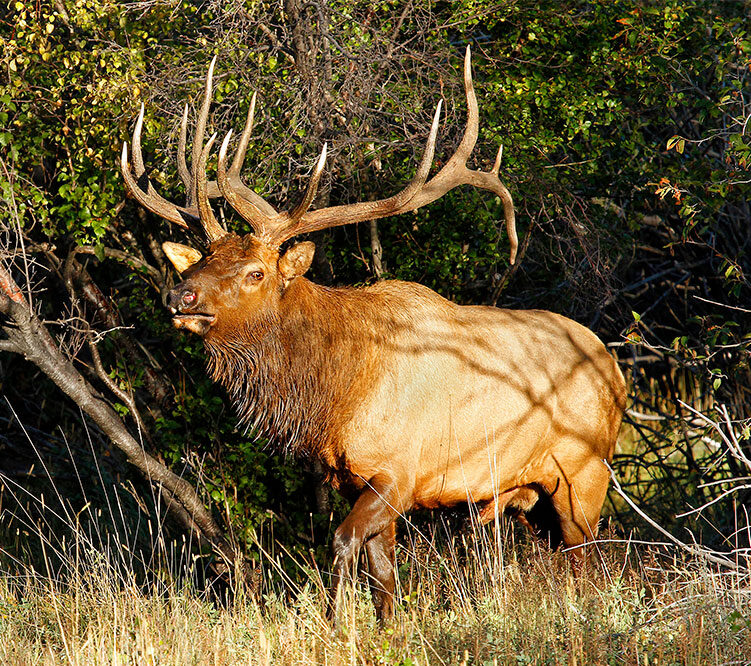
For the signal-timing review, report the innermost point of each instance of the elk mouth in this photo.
(196, 322)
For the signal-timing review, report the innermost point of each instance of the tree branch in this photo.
(127, 398)
(34, 341)
(705, 553)
(77, 279)
(9, 346)
(120, 255)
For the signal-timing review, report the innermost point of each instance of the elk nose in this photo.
(181, 297)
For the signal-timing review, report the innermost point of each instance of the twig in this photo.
(723, 495)
(730, 440)
(694, 550)
(511, 269)
(723, 305)
(112, 386)
(646, 417)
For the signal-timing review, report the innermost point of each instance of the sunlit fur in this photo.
(298, 374)
(408, 399)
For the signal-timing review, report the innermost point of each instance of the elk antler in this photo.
(274, 227)
(252, 207)
(282, 226)
(279, 228)
(193, 212)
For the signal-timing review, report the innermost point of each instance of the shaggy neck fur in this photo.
(297, 375)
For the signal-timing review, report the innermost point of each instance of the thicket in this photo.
(626, 148)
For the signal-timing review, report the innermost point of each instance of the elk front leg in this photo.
(374, 511)
(381, 557)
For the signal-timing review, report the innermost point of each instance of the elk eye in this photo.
(255, 276)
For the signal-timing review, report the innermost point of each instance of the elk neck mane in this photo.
(297, 374)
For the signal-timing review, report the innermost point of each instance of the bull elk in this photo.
(408, 400)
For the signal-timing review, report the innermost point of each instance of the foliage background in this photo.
(626, 147)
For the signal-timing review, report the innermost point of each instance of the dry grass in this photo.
(473, 599)
(467, 595)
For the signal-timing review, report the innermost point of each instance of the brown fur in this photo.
(408, 399)
(298, 375)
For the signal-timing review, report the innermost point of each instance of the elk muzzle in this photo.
(184, 303)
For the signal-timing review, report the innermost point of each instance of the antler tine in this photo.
(242, 146)
(366, 210)
(472, 129)
(182, 166)
(497, 164)
(423, 170)
(213, 229)
(203, 116)
(455, 172)
(310, 193)
(263, 209)
(142, 189)
(229, 190)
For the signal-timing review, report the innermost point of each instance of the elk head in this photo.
(242, 278)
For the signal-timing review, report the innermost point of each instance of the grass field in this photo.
(99, 594)
(471, 598)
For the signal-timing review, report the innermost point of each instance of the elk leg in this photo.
(381, 558)
(578, 502)
(375, 509)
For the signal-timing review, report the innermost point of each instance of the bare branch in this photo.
(722, 305)
(698, 551)
(122, 256)
(112, 386)
(10, 346)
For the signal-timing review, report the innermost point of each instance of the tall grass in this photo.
(466, 595)
(466, 598)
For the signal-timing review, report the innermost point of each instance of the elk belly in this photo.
(484, 455)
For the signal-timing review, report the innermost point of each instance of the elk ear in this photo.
(181, 256)
(296, 261)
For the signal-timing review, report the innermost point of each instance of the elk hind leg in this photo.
(381, 554)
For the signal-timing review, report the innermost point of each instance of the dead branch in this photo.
(26, 334)
(696, 550)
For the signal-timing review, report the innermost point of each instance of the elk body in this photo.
(407, 399)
